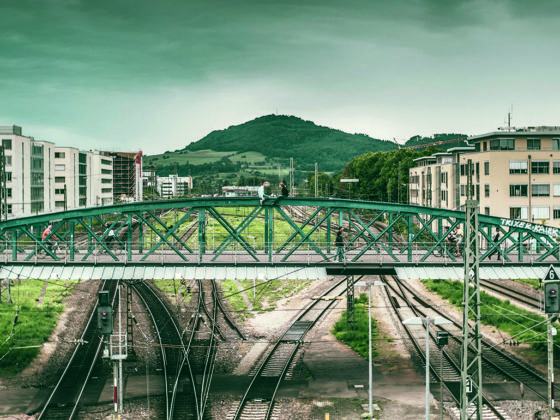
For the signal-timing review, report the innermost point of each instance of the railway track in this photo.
(63, 402)
(448, 360)
(498, 287)
(495, 361)
(258, 401)
(181, 396)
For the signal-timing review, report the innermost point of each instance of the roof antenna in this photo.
(509, 118)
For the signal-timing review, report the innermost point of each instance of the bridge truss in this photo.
(285, 230)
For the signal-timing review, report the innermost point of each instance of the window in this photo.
(502, 144)
(59, 204)
(533, 144)
(487, 211)
(7, 144)
(106, 181)
(463, 190)
(61, 179)
(60, 155)
(540, 212)
(518, 190)
(106, 162)
(59, 167)
(106, 171)
(556, 190)
(8, 176)
(555, 144)
(9, 192)
(59, 191)
(106, 190)
(477, 147)
(484, 146)
(540, 167)
(556, 167)
(486, 190)
(518, 212)
(8, 160)
(556, 213)
(517, 167)
(486, 167)
(540, 190)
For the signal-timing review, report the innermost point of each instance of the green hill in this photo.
(266, 143)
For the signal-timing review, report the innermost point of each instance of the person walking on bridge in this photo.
(339, 243)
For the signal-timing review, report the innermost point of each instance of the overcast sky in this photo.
(155, 75)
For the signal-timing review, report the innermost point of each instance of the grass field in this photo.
(526, 326)
(357, 337)
(21, 343)
(200, 157)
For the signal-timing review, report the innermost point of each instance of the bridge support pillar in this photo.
(471, 347)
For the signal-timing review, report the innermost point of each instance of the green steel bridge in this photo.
(281, 232)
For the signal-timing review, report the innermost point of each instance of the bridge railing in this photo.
(318, 252)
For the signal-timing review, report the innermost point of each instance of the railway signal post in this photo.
(551, 283)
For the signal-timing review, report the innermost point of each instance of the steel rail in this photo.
(91, 363)
(287, 361)
(489, 347)
(181, 357)
(446, 355)
(528, 300)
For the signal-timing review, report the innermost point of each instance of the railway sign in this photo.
(349, 180)
(551, 275)
(468, 384)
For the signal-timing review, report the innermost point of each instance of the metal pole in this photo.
(316, 180)
(550, 366)
(115, 387)
(120, 357)
(427, 321)
(370, 361)
(441, 380)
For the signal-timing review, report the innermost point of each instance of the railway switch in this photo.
(551, 302)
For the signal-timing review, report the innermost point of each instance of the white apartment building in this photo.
(82, 179)
(101, 191)
(28, 168)
(516, 175)
(173, 186)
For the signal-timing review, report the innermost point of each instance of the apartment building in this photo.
(516, 175)
(28, 170)
(82, 178)
(173, 186)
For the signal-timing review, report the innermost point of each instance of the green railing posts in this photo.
(269, 228)
(390, 233)
(328, 235)
(71, 226)
(129, 238)
(201, 233)
(90, 222)
(410, 234)
(15, 235)
(141, 234)
(97, 239)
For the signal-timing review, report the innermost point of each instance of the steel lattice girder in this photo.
(418, 228)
